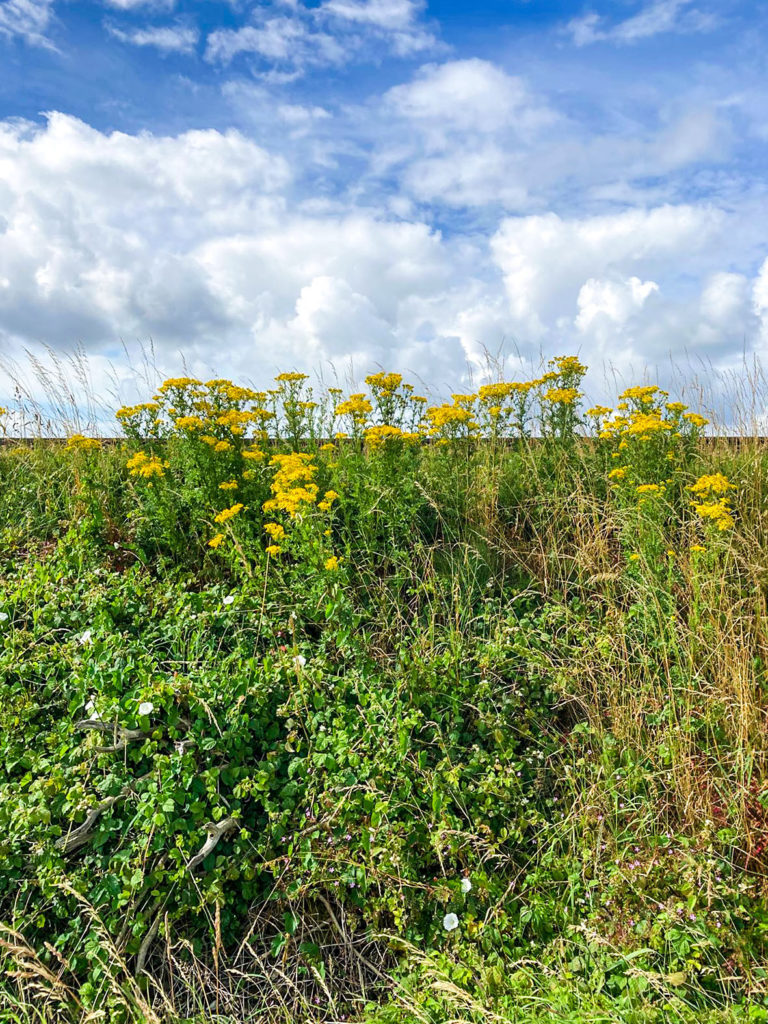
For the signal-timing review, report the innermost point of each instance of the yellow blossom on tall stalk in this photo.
(492, 393)
(647, 423)
(78, 442)
(712, 502)
(275, 530)
(291, 378)
(357, 408)
(393, 400)
(293, 484)
(454, 420)
(568, 366)
(561, 396)
(229, 513)
(714, 483)
(140, 421)
(378, 437)
(146, 466)
(716, 512)
(328, 499)
(695, 419)
(177, 384)
(642, 392)
(191, 423)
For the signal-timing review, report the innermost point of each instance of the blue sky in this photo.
(260, 186)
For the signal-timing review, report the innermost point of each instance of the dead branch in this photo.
(79, 836)
(122, 736)
(215, 831)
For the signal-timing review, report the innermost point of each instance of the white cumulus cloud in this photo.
(204, 242)
(617, 301)
(191, 240)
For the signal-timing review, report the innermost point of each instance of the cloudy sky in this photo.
(261, 186)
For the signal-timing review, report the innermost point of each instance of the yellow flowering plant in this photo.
(560, 398)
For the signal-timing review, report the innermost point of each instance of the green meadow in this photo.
(318, 707)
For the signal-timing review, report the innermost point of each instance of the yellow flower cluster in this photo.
(695, 419)
(714, 504)
(78, 442)
(561, 396)
(717, 512)
(357, 406)
(254, 454)
(229, 513)
(146, 466)
(377, 437)
(713, 484)
(293, 484)
(275, 530)
(568, 366)
(129, 411)
(385, 382)
(191, 423)
(458, 414)
(291, 378)
(328, 499)
(178, 384)
(217, 411)
(643, 424)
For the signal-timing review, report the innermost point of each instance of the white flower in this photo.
(299, 662)
(450, 921)
(466, 885)
(93, 714)
(229, 599)
(85, 638)
(146, 707)
(3, 616)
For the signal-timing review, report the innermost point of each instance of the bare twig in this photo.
(215, 831)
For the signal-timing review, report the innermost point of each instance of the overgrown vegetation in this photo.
(352, 707)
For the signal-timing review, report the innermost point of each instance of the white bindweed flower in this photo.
(299, 661)
(229, 599)
(85, 638)
(93, 714)
(450, 921)
(466, 885)
(146, 707)
(3, 616)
